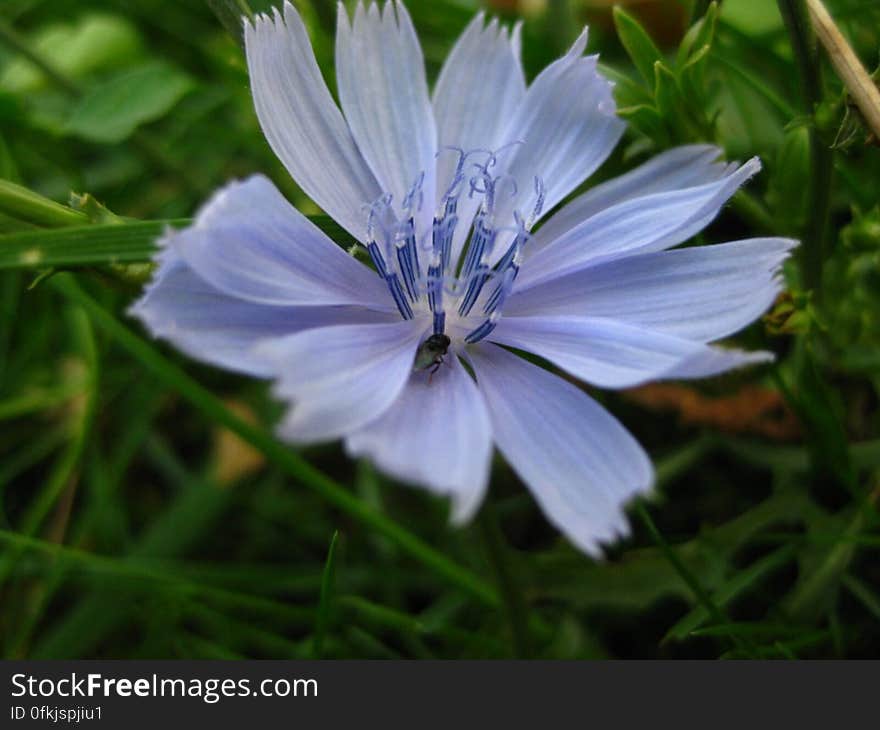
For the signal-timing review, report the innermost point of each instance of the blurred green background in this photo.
(135, 523)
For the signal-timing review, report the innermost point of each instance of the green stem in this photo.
(282, 456)
(700, 8)
(700, 593)
(794, 14)
(22, 204)
(512, 598)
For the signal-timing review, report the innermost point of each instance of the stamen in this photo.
(435, 285)
(408, 259)
(378, 261)
(499, 295)
(483, 330)
(399, 297)
(415, 190)
(482, 241)
(475, 286)
(448, 283)
(541, 192)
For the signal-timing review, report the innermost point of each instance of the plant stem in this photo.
(689, 578)
(499, 556)
(794, 14)
(858, 82)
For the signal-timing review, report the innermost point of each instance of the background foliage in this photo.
(145, 511)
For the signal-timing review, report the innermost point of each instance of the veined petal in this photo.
(611, 354)
(681, 167)
(702, 293)
(221, 330)
(712, 360)
(250, 243)
(383, 92)
(568, 127)
(581, 465)
(302, 122)
(437, 435)
(638, 225)
(338, 379)
(480, 85)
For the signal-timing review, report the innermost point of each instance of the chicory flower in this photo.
(412, 360)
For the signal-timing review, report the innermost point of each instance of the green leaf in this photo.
(626, 91)
(646, 119)
(638, 43)
(666, 90)
(692, 74)
(699, 35)
(112, 111)
(96, 41)
(327, 599)
(787, 175)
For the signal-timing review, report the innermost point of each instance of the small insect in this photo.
(431, 352)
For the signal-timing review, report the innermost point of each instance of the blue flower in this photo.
(407, 360)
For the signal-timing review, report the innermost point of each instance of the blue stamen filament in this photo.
(451, 285)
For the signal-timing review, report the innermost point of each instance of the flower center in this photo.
(461, 280)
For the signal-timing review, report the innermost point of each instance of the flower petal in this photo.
(437, 435)
(638, 225)
(250, 243)
(568, 127)
(480, 86)
(302, 122)
(675, 169)
(611, 354)
(574, 456)
(710, 361)
(380, 73)
(702, 293)
(340, 378)
(213, 327)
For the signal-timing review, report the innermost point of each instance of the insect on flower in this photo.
(431, 352)
(447, 192)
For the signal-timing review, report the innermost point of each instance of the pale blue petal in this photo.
(712, 360)
(436, 435)
(250, 243)
(302, 122)
(574, 456)
(638, 225)
(568, 126)
(611, 354)
(214, 328)
(702, 293)
(681, 167)
(338, 379)
(380, 73)
(480, 85)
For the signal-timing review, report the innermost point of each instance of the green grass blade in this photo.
(326, 602)
(733, 588)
